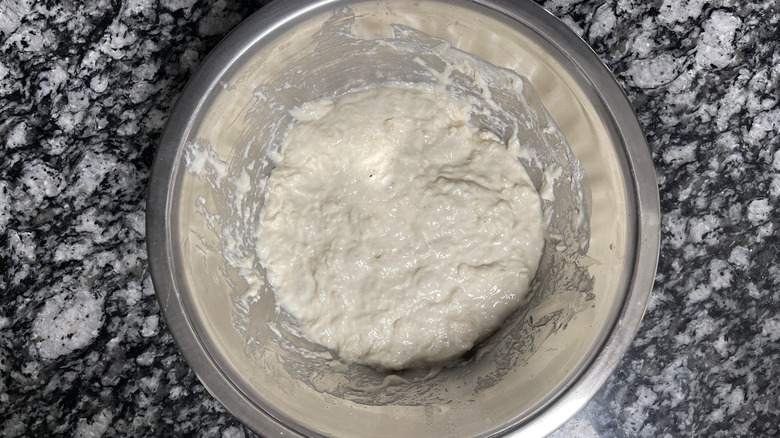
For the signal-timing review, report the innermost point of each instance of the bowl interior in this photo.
(216, 197)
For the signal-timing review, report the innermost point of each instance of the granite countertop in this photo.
(85, 92)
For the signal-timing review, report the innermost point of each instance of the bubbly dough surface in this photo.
(396, 232)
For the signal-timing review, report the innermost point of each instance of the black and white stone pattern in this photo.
(85, 90)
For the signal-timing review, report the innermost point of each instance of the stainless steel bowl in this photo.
(544, 364)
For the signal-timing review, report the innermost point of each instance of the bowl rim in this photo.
(271, 18)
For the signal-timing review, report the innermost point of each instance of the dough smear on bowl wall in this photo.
(397, 234)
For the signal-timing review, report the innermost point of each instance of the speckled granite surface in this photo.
(84, 94)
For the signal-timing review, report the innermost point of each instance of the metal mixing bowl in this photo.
(547, 360)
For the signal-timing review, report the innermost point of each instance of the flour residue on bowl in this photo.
(499, 101)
